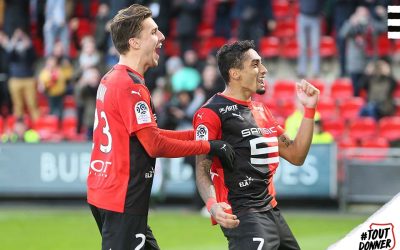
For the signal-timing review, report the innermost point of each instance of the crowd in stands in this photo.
(54, 52)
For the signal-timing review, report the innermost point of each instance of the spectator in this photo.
(53, 81)
(379, 83)
(359, 31)
(16, 15)
(253, 16)
(89, 56)
(320, 136)
(188, 18)
(342, 10)
(293, 121)
(187, 78)
(102, 32)
(85, 93)
(212, 81)
(309, 33)
(56, 26)
(5, 102)
(179, 111)
(217, 14)
(21, 84)
(20, 133)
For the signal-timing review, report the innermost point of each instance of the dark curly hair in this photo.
(232, 56)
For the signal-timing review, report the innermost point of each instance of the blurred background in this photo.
(54, 52)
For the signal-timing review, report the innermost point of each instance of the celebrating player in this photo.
(242, 199)
(126, 139)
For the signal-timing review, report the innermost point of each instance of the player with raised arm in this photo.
(126, 138)
(242, 199)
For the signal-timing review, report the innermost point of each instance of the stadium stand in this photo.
(362, 127)
(389, 128)
(341, 89)
(284, 89)
(269, 47)
(327, 108)
(350, 108)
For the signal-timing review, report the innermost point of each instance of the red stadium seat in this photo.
(377, 148)
(327, 108)
(341, 89)
(1, 125)
(281, 9)
(69, 102)
(284, 89)
(69, 128)
(350, 108)
(385, 46)
(327, 47)
(209, 44)
(171, 47)
(362, 127)
(396, 93)
(285, 29)
(374, 142)
(269, 47)
(46, 126)
(205, 30)
(334, 126)
(389, 128)
(290, 49)
(286, 107)
(347, 142)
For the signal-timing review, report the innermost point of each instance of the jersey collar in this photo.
(123, 66)
(245, 103)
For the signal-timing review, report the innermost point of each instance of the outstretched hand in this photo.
(224, 152)
(307, 93)
(226, 220)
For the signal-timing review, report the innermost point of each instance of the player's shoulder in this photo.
(122, 76)
(259, 106)
(215, 102)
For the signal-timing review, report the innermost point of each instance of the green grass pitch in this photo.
(66, 229)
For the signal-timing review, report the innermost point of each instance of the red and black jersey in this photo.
(253, 133)
(121, 172)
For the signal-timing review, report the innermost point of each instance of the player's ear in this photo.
(134, 43)
(234, 74)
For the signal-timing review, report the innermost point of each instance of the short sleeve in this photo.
(135, 108)
(207, 125)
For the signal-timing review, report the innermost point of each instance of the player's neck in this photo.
(133, 62)
(237, 93)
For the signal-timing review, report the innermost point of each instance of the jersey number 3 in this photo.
(106, 131)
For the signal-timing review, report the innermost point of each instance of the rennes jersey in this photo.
(121, 172)
(253, 133)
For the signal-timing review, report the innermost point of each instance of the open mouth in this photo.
(261, 81)
(158, 48)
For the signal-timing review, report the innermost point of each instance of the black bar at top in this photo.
(393, 15)
(393, 28)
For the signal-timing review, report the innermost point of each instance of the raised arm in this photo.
(207, 193)
(295, 151)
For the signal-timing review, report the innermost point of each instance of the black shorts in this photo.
(261, 231)
(122, 231)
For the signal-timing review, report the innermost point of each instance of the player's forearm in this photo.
(185, 135)
(157, 145)
(203, 179)
(302, 142)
